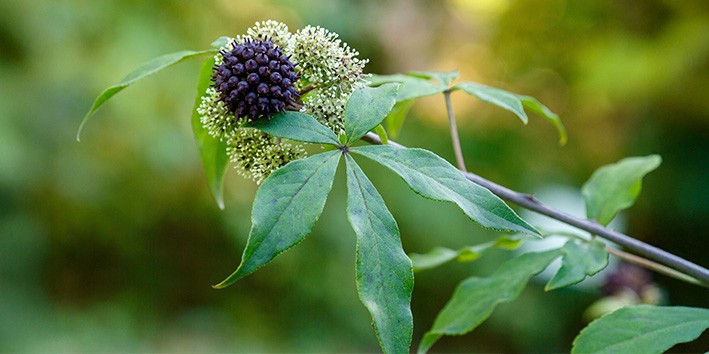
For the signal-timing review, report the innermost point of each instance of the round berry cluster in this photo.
(256, 79)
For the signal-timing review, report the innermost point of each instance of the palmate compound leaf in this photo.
(441, 255)
(579, 261)
(385, 279)
(615, 187)
(433, 177)
(212, 151)
(514, 103)
(475, 298)
(642, 329)
(366, 109)
(145, 70)
(285, 209)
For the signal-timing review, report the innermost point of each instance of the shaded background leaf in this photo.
(441, 255)
(443, 77)
(212, 151)
(498, 97)
(642, 329)
(149, 68)
(615, 187)
(475, 298)
(579, 261)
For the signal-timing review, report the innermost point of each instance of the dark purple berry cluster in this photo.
(256, 79)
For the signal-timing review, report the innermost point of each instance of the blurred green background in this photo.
(112, 244)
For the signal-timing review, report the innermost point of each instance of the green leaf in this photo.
(221, 42)
(411, 87)
(395, 119)
(366, 109)
(514, 103)
(537, 107)
(615, 187)
(642, 329)
(441, 255)
(212, 151)
(498, 97)
(433, 177)
(382, 134)
(296, 126)
(385, 280)
(579, 261)
(475, 298)
(285, 209)
(444, 77)
(142, 71)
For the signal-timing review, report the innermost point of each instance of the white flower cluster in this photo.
(330, 71)
(256, 154)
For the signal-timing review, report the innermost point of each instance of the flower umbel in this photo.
(331, 69)
(266, 71)
(255, 79)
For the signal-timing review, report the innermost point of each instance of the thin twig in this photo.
(529, 202)
(654, 266)
(454, 133)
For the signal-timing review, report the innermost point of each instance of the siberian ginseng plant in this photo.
(263, 94)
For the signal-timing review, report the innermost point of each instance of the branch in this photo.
(529, 202)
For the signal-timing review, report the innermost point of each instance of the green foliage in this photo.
(291, 199)
(615, 187)
(444, 77)
(395, 119)
(211, 151)
(642, 329)
(514, 103)
(296, 126)
(384, 276)
(143, 71)
(441, 255)
(579, 261)
(366, 108)
(475, 298)
(411, 88)
(433, 177)
(498, 97)
(221, 42)
(286, 207)
(537, 107)
(417, 84)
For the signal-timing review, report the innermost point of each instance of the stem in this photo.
(529, 202)
(454, 133)
(646, 263)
